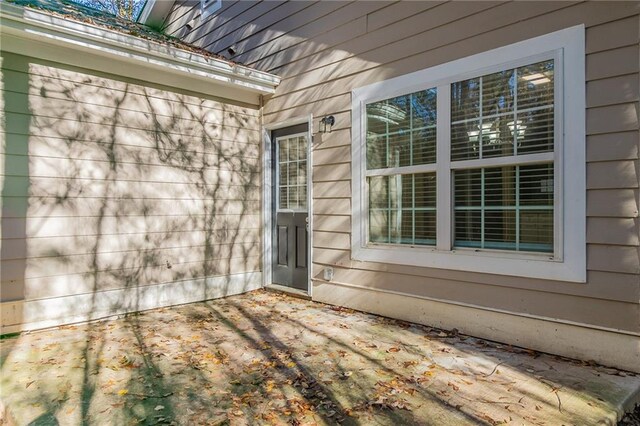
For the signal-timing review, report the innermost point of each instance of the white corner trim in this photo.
(569, 262)
(42, 313)
(38, 26)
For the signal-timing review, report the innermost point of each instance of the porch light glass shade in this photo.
(402, 131)
(505, 114)
(402, 209)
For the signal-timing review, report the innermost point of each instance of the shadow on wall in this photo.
(119, 196)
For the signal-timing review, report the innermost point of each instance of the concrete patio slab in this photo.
(268, 358)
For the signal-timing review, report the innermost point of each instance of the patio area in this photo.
(267, 358)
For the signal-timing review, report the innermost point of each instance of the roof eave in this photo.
(41, 26)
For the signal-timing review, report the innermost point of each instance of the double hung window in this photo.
(474, 162)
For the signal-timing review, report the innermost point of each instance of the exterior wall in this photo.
(118, 195)
(326, 49)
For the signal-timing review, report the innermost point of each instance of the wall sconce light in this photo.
(328, 120)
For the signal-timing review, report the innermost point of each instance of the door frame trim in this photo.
(267, 188)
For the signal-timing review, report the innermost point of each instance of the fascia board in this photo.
(36, 25)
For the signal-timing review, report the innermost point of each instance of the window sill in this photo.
(530, 265)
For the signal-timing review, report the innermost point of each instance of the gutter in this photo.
(36, 25)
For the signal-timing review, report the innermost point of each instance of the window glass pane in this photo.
(468, 188)
(400, 149)
(465, 100)
(506, 208)
(425, 227)
(498, 91)
(398, 113)
(425, 190)
(507, 113)
(535, 131)
(401, 131)
(378, 226)
(293, 197)
(376, 151)
(500, 229)
(423, 108)
(496, 137)
(402, 209)
(378, 192)
(536, 230)
(465, 140)
(468, 228)
(500, 186)
(406, 227)
(535, 85)
(283, 200)
(302, 196)
(424, 146)
(536, 185)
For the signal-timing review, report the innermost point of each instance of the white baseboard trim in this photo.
(574, 341)
(43, 313)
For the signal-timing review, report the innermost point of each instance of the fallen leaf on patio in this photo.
(29, 384)
(123, 392)
(489, 419)
(452, 385)
(393, 349)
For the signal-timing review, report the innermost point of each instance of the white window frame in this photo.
(568, 261)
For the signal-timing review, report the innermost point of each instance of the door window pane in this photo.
(292, 173)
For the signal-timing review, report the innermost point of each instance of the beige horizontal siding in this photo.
(144, 275)
(612, 146)
(26, 124)
(45, 267)
(330, 23)
(522, 301)
(613, 203)
(332, 223)
(263, 15)
(322, 56)
(622, 32)
(136, 115)
(332, 189)
(109, 183)
(413, 53)
(320, 15)
(625, 290)
(146, 143)
(612, 174)
(52, 226)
